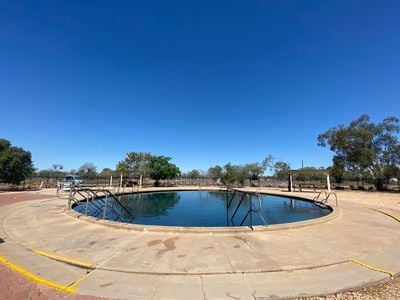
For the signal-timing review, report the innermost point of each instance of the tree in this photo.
(57, 171)
(135, 164)
(254, 170)
(338, 169)
(57, 167)
(106, 172)
(215, 172)
(4, 145)
(281, 169)
(392, 172)
(160, 168)
(365, 146)
(229, 175)
(234, 174)
(308, 173)
(51, 173)
(15, 163)
(88, 170)
(45, 173)
(194, 174)
(268, 162)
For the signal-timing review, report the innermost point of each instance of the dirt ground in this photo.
(389, 291)
(387, 200)
(15, 286)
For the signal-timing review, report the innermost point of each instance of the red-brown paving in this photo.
(6, 199)
(15, 286)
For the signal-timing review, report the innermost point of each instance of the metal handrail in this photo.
(251, 209)
(237, 207)
(327, 196)
(90, 194)
(332, 193)
(319, 194)
(233, 196)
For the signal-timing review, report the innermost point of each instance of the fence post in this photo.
(328, 182)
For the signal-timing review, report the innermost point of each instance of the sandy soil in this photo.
(387, 200)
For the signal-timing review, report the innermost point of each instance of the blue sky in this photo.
(204, 82)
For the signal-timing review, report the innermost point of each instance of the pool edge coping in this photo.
(336, 213)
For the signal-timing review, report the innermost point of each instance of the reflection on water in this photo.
(206, 208)
(147, 205)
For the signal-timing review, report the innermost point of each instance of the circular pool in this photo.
(203, 209)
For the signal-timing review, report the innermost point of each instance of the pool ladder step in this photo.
(88, 195)
(251, 209)
(323, 197)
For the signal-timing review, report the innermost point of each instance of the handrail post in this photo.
(105, 208)
(237, 207)
(87, 204)
(251, 213)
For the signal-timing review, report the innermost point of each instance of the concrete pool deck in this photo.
(360, 246)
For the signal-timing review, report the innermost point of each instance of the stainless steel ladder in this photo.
(324, 200)
(104, 209)
(249, 195)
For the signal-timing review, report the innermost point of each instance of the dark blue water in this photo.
(205, 208)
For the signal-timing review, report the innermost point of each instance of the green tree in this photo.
(365, 146)
(281, 169)
(194, 174)
(160, 168)
(54, 172)
(392, 172)
(45, 173)
(338, 169)
(229, 175)
(215, 172)
(234, 174)
(4, 144)
(278, 166)
(15, 163)
(268, 162)
(254, 170)
(106, 172)
(88, 170)
(57, 171)
(135, 164)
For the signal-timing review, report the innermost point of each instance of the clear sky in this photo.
(204, 82)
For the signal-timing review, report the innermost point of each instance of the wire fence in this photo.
(116, 181)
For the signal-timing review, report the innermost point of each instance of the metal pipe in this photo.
(105, 208)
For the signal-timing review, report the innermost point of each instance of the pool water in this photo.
(205, 209)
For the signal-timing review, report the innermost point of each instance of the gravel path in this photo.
(389, 290)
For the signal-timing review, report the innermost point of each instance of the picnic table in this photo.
(307, 186)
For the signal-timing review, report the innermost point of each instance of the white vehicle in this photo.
(72, 181)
